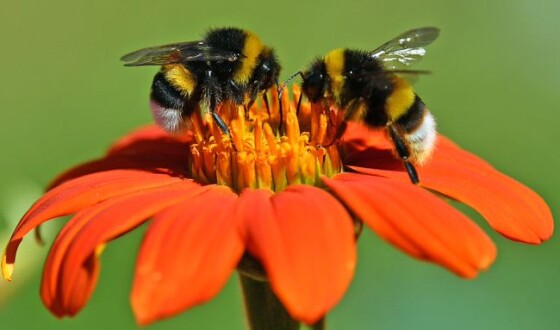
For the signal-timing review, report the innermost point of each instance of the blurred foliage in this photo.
(65, 97)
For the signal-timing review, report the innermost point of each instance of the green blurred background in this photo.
(65, 97)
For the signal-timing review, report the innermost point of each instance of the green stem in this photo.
(264, 310)
(320, 325)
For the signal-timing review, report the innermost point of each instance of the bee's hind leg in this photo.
(404, 154)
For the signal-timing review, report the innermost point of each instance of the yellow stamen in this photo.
(260, 154)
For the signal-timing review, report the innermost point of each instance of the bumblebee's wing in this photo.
(406, 49)
(412, 76)
(178, 53)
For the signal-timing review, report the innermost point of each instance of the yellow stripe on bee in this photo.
(253, 47)
(400, 100)
(334, 61)
(180, 78)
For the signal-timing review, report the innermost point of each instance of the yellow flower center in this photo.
(263, 153)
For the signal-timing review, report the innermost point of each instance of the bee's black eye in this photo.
(313, 85)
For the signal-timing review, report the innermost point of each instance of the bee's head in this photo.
(313, 85)
(267, 70)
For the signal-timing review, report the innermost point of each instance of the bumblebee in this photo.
(227, 65)
(366, 86)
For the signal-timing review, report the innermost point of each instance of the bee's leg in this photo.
(220, 122)
(246, 108)
(266, 104)
(350, 110)
(338, 135)
(299, 103)
(404, 154)
(213, 105)
(222, 126)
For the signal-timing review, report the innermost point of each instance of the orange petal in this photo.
(305, 240)
(76, 195)
(156, 164)
(511, 208)
(152, 139)
(416, 221)
(149, 149)
(360, 135)
(70, 272)
(187, 256)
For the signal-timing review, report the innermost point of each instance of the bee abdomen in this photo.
(412, 119)
(419, 129)
(167, 104)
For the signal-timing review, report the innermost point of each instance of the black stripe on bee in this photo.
(413, 117)
(165, 94)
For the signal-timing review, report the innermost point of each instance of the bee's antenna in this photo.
(281, 109)
(281, 90)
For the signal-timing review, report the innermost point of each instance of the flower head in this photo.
(292, 196)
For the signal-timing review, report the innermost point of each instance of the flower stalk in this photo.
(264, 310)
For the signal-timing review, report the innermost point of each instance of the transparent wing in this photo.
(178, 53)
(412, 76)
(406, 49)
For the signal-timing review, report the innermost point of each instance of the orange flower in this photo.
(291, 201)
